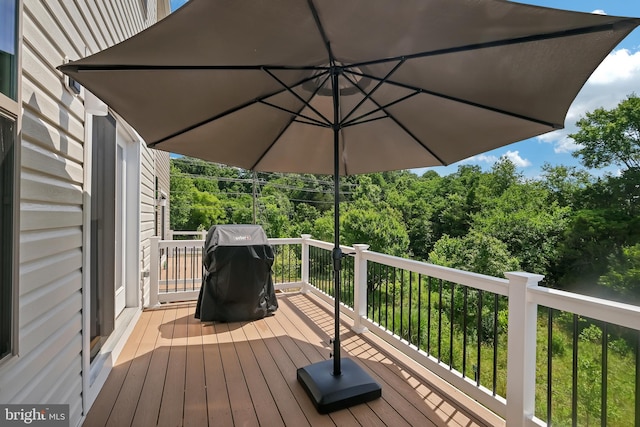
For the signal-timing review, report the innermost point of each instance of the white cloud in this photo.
(515, 158)
(617, 77)
(599, 12)
(480, 158)
(490, 160)
(565, 145)
(619, 66)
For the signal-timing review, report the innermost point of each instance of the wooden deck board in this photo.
(176, 371)
(195, 398)
(99, 414)
(151, 395)
(172, 404)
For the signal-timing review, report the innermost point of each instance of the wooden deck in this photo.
(176, 371)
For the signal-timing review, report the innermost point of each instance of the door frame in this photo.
(131, 226)
(95, 372)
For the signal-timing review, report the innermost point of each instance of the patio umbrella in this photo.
(347, 87)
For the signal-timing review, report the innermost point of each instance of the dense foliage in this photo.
(580, 230)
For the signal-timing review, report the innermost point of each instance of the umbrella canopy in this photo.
(421, 82)
(346, 87)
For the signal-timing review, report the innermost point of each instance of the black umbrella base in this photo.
(331, 393)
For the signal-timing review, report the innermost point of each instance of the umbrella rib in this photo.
(311, 120)
(368, 94)
(505, 42)
(235, 109)
(403, 127)
(79, 68)
(305, 102)
(464, 101)
(325, 39)
(360, 122)
(211, 119)
(264, 153)
(357, 120)
(318, 124)
(293, 117)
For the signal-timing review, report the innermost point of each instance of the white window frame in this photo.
(10, 109)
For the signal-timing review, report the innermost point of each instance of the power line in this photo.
(263, 183)
(269, 175)
(310, 202)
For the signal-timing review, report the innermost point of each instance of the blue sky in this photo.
(617, 77)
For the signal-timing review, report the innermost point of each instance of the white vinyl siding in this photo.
(163, 168)
(147, 210)
(48, 368)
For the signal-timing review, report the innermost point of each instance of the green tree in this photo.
(206, 210)
(181, 190)
(610, 137)
(523, 218)
(476, 252)
(383, 229)
(276, 212)
(238, 209)
(455, 201)
(623, 275)
(608, 219)
(565, 183)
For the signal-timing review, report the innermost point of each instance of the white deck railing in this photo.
(176, 274)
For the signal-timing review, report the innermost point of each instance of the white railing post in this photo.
(521, 349)
(154, 270)
(203, 234)
(359, 289)
(304, 267)
(170, 235)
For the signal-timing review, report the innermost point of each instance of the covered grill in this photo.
(237, 283)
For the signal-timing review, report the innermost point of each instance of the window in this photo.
(8, 135)
(8, 48)
(7, 138)
(103, 230)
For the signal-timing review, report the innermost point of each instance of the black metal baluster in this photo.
(401, 330)
(465, 301)
(379, 282)
(393, 302)
(495, 343)
(419, 310)
(605, 369)
(327, 274)
(549, 363)
(429, 316)
(186, 271)
(452, 287)
(194, 269)
(637, 423)
(176, 271)
(479, 344)
(440, 321)
(282, 265)
(386, 298)
(574, 385)
(289, 263)
(410, 306)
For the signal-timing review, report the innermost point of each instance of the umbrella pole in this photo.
(337, 384)
(337, 252)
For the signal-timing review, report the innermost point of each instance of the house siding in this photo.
(163, 167)
(147, 212)
(49, 366)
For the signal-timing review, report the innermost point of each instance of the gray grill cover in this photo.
(237, 283)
